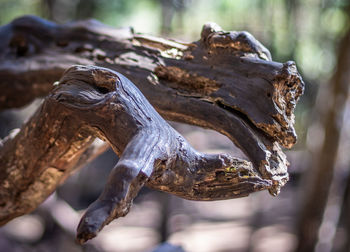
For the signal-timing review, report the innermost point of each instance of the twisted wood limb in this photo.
(226, 69)
(226, 81)
(92, 101)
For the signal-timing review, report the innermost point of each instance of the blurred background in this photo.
(312, 211)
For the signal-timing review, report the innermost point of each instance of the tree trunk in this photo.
(226, 81)
(323, 162)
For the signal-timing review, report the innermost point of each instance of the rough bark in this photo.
(91, 102)
(226, 81)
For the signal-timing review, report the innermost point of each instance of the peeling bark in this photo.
(226, 81)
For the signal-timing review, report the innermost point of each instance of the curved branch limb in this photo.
(167, 163)
(155, 152)
(134, 167)
(216, 82)
(226, 81)
(230, 70)
(100, 102)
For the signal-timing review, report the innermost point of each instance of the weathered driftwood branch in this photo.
(223, 76)
(90, 102)
(226, 81)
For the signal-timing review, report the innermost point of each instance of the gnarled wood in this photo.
(225, 76)
(226, 81)
(92, 101)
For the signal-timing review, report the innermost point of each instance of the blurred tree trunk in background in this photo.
(58, 10)
(62, 11)
(292, 10)
(345, 215)
(169, 9)
(323, 161)
(85, 9)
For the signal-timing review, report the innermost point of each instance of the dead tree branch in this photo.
(226, 81)
(89, 102)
